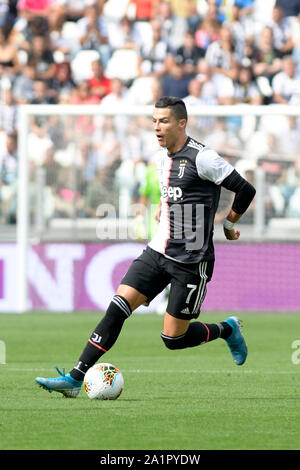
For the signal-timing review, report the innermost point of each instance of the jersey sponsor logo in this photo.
(173, 192)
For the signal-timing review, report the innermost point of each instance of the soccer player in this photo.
(180, 254)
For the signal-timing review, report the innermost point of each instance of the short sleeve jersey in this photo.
(190, 184)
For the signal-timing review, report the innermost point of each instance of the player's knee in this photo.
(173, 342)
(118, 310)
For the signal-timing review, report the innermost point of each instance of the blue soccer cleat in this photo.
(236, 342)
(64, 384)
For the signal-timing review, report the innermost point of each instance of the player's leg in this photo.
(128, 298)
(180, 334)
(184, 305)
(101, 340)
(125, 301)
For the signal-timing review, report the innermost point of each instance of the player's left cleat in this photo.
(236, 341)
(64, 384)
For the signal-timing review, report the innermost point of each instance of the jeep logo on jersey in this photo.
(172, 192)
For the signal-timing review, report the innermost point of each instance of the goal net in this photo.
(82, 214)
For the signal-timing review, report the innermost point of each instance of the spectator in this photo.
(193, 17)
(173, 26)
(153, 54)
(207, 33)
(246, 89)
(289, 142)
(124, 35)
(221, 55)
(282, 33)
(98, 191)
(295, 31)
(247, 7)
(100, 85)
(290, 8)
(9, 160)
(194, 96)
(6, 18)
(93, 33)
(84, 125)
(286, 84)
(142, 10)
(38, 144)
(66, 45)
(84, 94)
(189, 54)
(200, 125)
(176, 82)
(34, 7)
(118, 97)
(223, 139)
(41, 93)
(282, 192)
(106, 144)
(23, 86)
(26, 28)
(8, 179)
(265, 61)
(74, 9)
(156, 91)
(242, 28)
(9, 62)
(52, 169)
(88, 162)
(42, 55)
(8, 112)
(183, 9)
(225, 65)
(62, 83)
(210, 92)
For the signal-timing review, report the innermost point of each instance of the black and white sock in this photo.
(198, 333)
(103, 337)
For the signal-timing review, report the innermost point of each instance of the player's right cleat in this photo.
(236, 341)
(64, 384)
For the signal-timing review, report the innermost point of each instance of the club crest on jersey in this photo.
(182, 165)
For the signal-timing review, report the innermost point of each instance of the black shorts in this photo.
(151, 272)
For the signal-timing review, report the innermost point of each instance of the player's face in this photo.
(167, 128)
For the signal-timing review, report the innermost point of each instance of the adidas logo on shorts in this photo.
(185, 310)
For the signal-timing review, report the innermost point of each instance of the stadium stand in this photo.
(206, 51)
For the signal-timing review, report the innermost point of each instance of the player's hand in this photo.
(231, 234)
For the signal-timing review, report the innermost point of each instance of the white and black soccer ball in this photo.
(103, 381)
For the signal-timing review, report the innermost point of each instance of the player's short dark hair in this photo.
(175, 104)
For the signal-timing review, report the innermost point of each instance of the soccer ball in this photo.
(104, 382)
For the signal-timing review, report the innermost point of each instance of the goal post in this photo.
(27, 112)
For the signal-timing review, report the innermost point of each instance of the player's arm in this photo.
(244, 194)
(211, 166)
(157, 212)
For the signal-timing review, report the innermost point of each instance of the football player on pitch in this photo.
(180, 254)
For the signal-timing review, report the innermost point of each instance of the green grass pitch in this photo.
(192, 399)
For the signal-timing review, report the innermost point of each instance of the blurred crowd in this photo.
(131, 52)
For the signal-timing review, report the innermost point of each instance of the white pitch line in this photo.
(169, 371)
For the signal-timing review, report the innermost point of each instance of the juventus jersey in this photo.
(190, 184)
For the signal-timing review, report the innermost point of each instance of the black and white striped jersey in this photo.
(190, 183)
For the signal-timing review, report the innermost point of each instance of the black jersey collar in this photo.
(172, 155)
